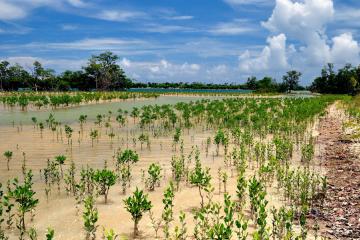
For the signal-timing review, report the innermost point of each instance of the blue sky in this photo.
(175, 40)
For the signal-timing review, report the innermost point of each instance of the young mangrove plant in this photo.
(137, 205)
(90, 217)
(8, 155)
(60, 160)
(154, 172)
(104, 179)
(200, 178)
(167, 214)
(25, 200)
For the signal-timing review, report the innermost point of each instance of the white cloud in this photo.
(60, 64)
(236, 27)
(184, 17)
(77, 3)
(10, 11)
(162, 70)
(305, 23)
(272, 56)
(118, 15)
(19, 9)
(345, 49)
(300, 20)
(248, 2)
(95, 44)
(159, 28)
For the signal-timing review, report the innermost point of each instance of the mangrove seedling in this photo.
(137, 205)
(8, 155)
(104, 179)
(90, 217)
(154, 172)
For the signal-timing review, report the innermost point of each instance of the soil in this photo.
(341, 210)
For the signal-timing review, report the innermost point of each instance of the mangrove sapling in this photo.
(143, 138)
(241, 185)
(176, 137)
(241, 226)
(68, 133)
(302, 221)
(181, 232)
(111, 136)
(8, 205)
(86, 179)
(2, 219)
(34, 121)
(262, 231)
(82, 120)
(94, 134)
(121, 120)
(200, 178)
(32, 234)
(221, 138)
(177, 169)
(126, 158)
(156, 224)
(70, 179)
(137, 205)
(154, 172)
(23, 196)
(125, 177)
(208, 143)
(60, 160)
(135, 113)
(167, 214)
(219, 179)
(99, 119)
(224, 178)
(110, 235)
(50, 234)
(90, 217)
(104, 179)
(222, 229)
(8, 155)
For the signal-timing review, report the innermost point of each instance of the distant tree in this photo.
(291, 80)
(106, 73)
(4, 73)
(345, 81)
(251, 83)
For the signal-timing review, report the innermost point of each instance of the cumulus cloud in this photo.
(304, 22)
(272, 56)
(345, 49)
(162, 70)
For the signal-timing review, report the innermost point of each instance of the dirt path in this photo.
(341, 211)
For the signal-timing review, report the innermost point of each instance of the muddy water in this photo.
(69, 115)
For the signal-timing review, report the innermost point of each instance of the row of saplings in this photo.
(212, 220)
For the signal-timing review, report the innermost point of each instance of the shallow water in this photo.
(71, 114)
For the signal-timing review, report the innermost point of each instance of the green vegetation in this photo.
(137, 205)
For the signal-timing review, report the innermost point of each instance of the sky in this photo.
(213, 41)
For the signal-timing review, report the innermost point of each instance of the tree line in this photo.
(103, 73)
